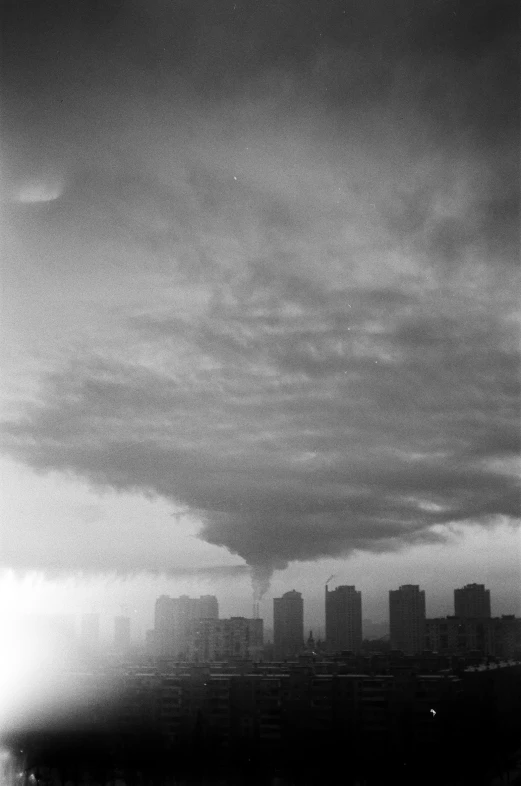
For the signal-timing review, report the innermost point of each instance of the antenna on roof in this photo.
(330, 579)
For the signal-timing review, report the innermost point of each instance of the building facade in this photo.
(150, 643)
(122, 634)
(164, 627)
(288, 625)
(173, 622)
(492, 636)
(407, 618)
(472, 600)
(235, 638)
(289, 706)
(343, 619)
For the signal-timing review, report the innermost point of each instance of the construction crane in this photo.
(330, 579)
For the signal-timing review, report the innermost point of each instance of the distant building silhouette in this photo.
(489, 636)
(150, 642)
(288, 625)
(218, 639)
(407, 618)
(122, 634)
(472, 600)
(343, 619)
(207, 607)
(173, 619)
(90, 631)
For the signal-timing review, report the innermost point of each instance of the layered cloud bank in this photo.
(308, 235)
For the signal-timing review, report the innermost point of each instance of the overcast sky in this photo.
(260, 271)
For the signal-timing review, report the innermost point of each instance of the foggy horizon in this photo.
(142, 617)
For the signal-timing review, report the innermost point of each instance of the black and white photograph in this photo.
(260, 432)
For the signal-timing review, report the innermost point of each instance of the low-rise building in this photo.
(491, 636)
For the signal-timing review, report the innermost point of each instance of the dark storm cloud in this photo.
(331, 190)
(350, 53)
(298, 445)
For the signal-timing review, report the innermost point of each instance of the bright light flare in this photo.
(44, 676)
(39, 657)
(30, 663)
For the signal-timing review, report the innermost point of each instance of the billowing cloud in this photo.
(324, 358)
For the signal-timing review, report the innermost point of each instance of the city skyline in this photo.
(38, 672)
(260, 313)
(102, 623)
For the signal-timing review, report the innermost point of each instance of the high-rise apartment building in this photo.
(214, 639)
(122, 634)
(90, 631)
(150, 642)
(288, 625)
(164, 626)
(343, 619)
(407, 618)
(207, 607)
(173, 619)
(472, 600)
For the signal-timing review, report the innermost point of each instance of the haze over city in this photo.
(260, 310)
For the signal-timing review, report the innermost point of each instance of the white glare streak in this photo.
(34, 191)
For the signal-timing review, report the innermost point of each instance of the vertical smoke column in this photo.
(260, 580)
